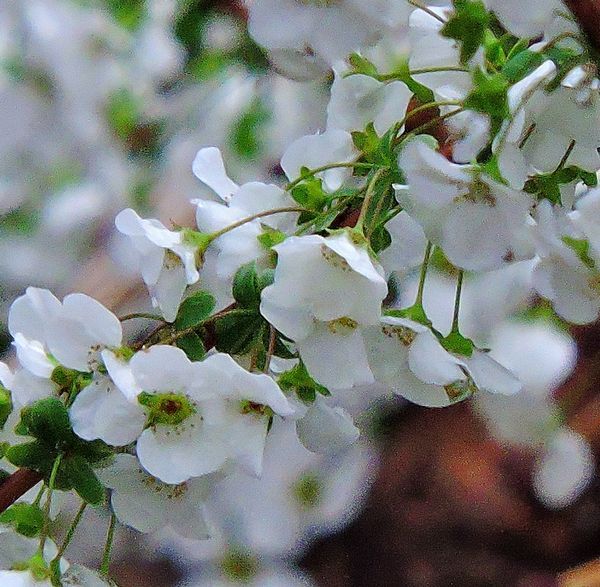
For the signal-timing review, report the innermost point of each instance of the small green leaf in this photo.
(32, 455)
(48, 420)
(521, 64)
(246, 133)
(298, 380)
(194, 310)
(362, 65)
(245, 286)
(581, 248)
(197, 239)
(237, 331)
(27, 519)
(270, 237)
(455, 342)
(489, 96)
(467, 25)
(6, 405)
(309, 193)
(83, 479)
(191, 344)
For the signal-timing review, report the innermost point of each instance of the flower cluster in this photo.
(459, 145)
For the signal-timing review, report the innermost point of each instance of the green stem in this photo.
(423, 275)
(384, 77)
(38, 497)
(398, 126)
(428, 124)
(110, 535)
(426, 9)
(311, 172)
(563, 161)
(369, 197)
(70, 533)
(47, 505)
(183, 333)
(141, 315)
(459, 285)
(262, 214)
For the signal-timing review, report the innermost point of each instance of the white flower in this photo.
(22, 579)
(560, 275)
(147, 504)
(565, 469)
(241, 245)
(528, 23)
(325, 291)
(332, 30)
(72, 333)
(479, 223)
(407, 357)
(407, 248)
(318, 150)
(167, 263)
(326, 429)
(107, 408)
(27, 318)
(184, 437)
(358, 100)
(249, 401)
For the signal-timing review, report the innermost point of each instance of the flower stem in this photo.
(146, 315)
(459, 285)
(432, 122)
(420, 109)
(369, 196)
(353, 164)
(47, 505)
(426, 9)
(70, 533)
(262, 214)
(110, 535)
(423, 275)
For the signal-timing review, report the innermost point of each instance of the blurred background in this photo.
(103, 105)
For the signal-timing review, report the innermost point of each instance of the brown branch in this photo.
(19, 483)
(587, 14)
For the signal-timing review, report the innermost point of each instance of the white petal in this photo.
(162, 368)
(431, 363)
(168, 291)
(565, 469)
(175, 455)
(29, 312)
(489, 375)
(209, 168)
(101, 411)
(336, 361)
(326, 430)
(120, 372)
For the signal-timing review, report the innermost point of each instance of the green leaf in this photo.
(27, 519)
(48, 421)
(521, 64)
(245, 286)
(246, 134)
(6, 405)
(194, 310)
(421, 92)
(270, 237)
(83, 479)
(467, 25)
(248, 284)
(455, 342)
(309, 193)
(380, 239)
(238, 331)
(32, 455)
(362, 65)
(581, 247)
(123, 112)
(191, 344)
(489, 95)
(298, 380)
